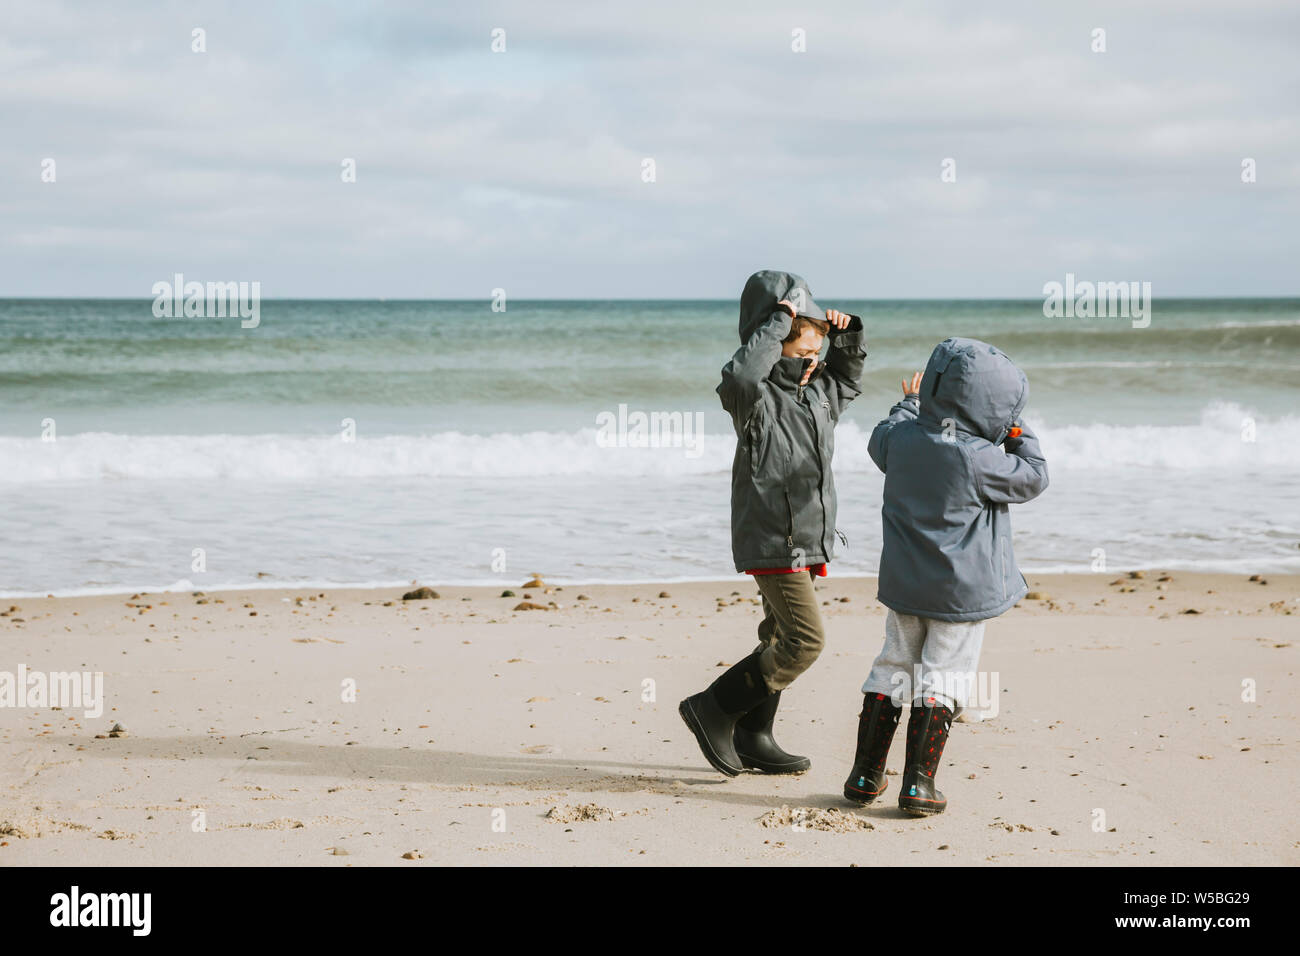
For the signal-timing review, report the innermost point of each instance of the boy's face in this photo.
(807, 345)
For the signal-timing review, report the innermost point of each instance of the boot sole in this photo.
(701, 738)
(919, 810)
(801, 766)
(862, 798)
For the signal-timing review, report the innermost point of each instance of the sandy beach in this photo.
(480, 734)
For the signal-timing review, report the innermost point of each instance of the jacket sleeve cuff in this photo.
(855, 328)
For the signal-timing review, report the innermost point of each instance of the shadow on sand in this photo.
(254, 756)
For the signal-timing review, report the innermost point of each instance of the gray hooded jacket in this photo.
(782, 492)
(950, 472)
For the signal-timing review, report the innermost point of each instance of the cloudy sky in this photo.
(523, 169)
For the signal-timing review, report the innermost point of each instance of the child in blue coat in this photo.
(955, 454)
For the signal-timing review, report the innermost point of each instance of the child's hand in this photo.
(915, 386)
(789, 308)
(838, 319)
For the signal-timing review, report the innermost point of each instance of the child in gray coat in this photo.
(784, 400)
(955, 455)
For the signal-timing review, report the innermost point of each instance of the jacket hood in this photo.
(974, 384)
(764, 290)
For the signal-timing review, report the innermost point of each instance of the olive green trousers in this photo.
(790, 636)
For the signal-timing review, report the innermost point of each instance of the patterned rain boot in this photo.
(876, 726)
(927, 732)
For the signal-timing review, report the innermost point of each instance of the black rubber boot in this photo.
(712, 713)
(927, 732)
(755, 746)
(876, 726)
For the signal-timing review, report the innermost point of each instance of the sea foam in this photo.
(1225, 438)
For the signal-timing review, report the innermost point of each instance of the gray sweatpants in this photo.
(923, 658)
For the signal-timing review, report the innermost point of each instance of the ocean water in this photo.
(478, 452)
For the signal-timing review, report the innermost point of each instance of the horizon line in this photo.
(489, 298)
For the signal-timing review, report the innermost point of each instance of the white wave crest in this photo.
(1226, 437)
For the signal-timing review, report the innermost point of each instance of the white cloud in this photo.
(528, 162)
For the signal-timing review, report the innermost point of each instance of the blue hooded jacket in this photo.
(950, 473)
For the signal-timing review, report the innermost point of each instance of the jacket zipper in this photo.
(789, 509)
(789, 538)
(821, 477)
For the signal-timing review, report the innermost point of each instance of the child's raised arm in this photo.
(904, 411)
(1017, 476)
(752, 363)
(844, 360)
